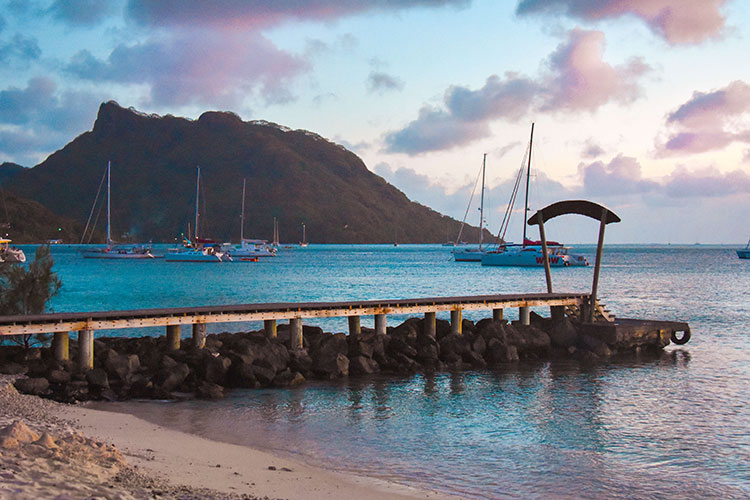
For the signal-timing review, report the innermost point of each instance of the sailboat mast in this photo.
(481, 205)
(242, 217)
(197, 192)
(528, 174)
(109, 235)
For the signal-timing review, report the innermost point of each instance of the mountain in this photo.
(27, 221)
(293, 175)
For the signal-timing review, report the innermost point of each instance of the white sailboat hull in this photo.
(193, 255)
(467, 255)
(532, 257)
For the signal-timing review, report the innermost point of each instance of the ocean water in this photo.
(670, 426)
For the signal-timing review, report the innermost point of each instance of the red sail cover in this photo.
(527, 242)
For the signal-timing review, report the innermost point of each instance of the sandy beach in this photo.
(52, 450)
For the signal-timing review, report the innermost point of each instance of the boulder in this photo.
(216, 368)
(497, 352)
(562, 333)
(13, 368)
(362, 365)
(332, 365)
(300, 361)
(168, 379)
(398, 345)
(58, 377)
(97, 379)
(122, 366)
(595, 345)
(209, 390)
(36, 385)
(263, 374)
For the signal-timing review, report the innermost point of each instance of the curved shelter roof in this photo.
(580, 207)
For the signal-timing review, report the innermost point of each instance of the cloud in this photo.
(40, 118)
(236, 14)
(708, 182)
(592, 150)
(621, 176)
(710, 121)
(580, 79)
(82, 12)
(21, 49)
(379, 82)
(202, 67)
(676, 21)
(575, 79)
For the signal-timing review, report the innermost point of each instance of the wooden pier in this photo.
(270, 313)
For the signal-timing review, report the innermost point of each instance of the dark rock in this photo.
(288, 378)
(478, 344)
(58, 377)
(123, 367)
(168, 379)
(535, 340)
(492, 329)
(263, 374)
(216, 368)
(97, 379)
(13, 368)
(300, 361)
(363, 365)
(333, 365)
(595, 345)
(398, 345)
(497, 352)
(36, 386)
(273, 356)
(562, 333)
(209, 390)
(442, 328)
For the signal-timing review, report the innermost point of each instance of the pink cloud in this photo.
(621, 176)
(239, 13)
(205, 67)
(677, 21)
(581, 79)
(577, 79)
(710, 120)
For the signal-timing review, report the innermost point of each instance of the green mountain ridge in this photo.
(295, 176)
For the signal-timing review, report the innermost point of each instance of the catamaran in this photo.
(201, 249)
(112, 250)
(249, 250)
(529, 253)
(473, 254)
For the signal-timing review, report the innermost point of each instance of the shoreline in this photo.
(153, 460)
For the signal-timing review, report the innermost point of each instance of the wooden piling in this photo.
(295, 333)
(61, 346)
(199, 335)
(355, 329)
(173, 337)
(380, 324)
(85, 350)
(429, 324)
(497, 314)
(456, 321)
(524, 315)
(269, 326)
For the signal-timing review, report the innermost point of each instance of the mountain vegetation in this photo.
(293, 175)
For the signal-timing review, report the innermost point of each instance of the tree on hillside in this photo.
(28, 291)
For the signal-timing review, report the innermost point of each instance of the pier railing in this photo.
(87, 323)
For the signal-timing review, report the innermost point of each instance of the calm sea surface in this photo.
(676, 426)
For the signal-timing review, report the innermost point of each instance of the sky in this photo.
(640, 105)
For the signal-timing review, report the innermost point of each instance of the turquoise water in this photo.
(673, 426)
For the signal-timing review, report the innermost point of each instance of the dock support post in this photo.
(85, 350)
(524, 314)
(497, 314)
(173, 337)
(598, 265)
(429, 324)
(380, 327)
(199, 335)
(355, 329)
(456, 320)
(295, 333)
(61, 346)
(269, 325)
(545, 254)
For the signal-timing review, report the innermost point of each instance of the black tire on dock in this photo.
(680, 341)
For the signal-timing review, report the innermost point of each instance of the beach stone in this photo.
(534, 339)
(263, 374)
(274, 356)
(209, 390)
(363, 365)
(35, 386)
(478, 344)
(596, 346)
(288, 378)
(121, 366)
(474, 359)
(497, 352)
(493, 329)
(300, 361)
(397, 345)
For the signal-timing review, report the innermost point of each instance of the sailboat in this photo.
(201, 249)
(745, 252)
(303, 243)
(275, 242)
(249, 250)
(10, 253)
(113, 251)
(529, 253)
(471, 254)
